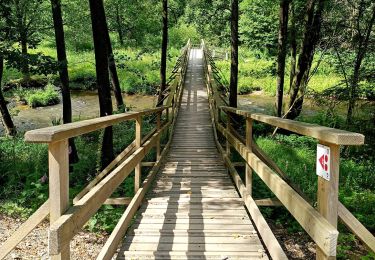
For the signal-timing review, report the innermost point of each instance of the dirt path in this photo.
(85, 245)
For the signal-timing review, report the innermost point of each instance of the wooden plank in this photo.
(58, 162)
(61, 132)
(255, 247)
(178, 255)
(356, 227)
(248, 170)
(264, 230)
(325, 134)
(34, 220)
(193, 221)
(192, 201)
(271, 202)
(182, 239)
(319, 229)
(117, 201)
(62, 230)
(193, 233)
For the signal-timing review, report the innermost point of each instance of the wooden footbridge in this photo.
(192, 203)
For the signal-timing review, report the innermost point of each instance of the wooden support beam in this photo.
(119, 159)
(356, 227)
(58, 161)
(322, 133)
(249, 171)
(32, 222)
(66, 131)
(271, 202)
(64, 229)
(269, 239)
(119, 231)
(328, 192)
(117, 201)
(138, 143)
(319, 229)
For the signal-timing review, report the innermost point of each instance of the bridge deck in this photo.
(193, 210)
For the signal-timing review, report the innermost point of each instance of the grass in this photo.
(138, 70)
(43, 97)
(258, 72)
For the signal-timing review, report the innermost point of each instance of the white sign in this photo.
(323, 158)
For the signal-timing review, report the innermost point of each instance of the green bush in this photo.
(40, 98)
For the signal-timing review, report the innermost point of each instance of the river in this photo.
(85, 105)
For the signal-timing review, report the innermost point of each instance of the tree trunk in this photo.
(293, 46)
(234, 55)
(25, 66)
(164, 48)
(362, 49)
(282, 43)
(119, 27)
(63, 72)
(113, 74)
(98, 21)
(310, 39)
(7, 119)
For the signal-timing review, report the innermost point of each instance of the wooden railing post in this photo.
(58, 160)
(138, 143)
(328, 193)
(249, 171)
(158, 124)
(227, 146)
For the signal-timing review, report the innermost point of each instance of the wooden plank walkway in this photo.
(193, 210)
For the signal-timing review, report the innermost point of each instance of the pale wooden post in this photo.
(58, 160)
(158, 125)
(328, 193)
(227, 146)
(138, 143)
(249, 139)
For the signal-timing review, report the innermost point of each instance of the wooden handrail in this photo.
(65, 222)
(315, 222)
(324, 134)
(66, 131)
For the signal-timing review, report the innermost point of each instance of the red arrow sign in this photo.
(323, 160)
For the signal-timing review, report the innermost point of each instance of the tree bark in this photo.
(164, 49)
(63, 72)
(113, 72)
(282, 43)
(24, 51)
(119, 27)
(7, 119)
(234, 55)
(98, 21)
(310, 39)
(293, 46)
(362, 49)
